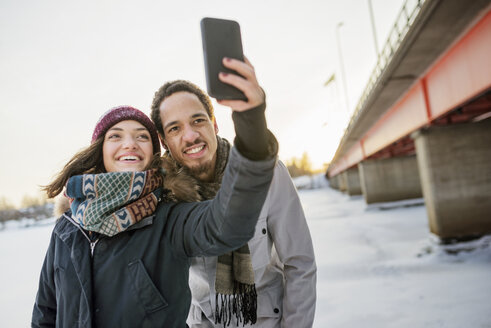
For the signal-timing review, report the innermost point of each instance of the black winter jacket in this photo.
(139, 278)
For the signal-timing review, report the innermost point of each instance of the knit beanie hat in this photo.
(123, 113)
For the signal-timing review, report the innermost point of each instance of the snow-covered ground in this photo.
(378, 266)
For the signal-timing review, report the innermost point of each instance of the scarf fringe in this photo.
(242, 304)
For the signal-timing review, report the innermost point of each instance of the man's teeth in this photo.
(195, 150)
(128, 158)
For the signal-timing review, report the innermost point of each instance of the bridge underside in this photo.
(430, 124)
(474, 111)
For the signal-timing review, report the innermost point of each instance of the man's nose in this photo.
(190, 135)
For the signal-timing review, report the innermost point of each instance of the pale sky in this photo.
(64, 63)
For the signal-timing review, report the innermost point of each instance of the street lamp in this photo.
(373, 27)
(342, 66)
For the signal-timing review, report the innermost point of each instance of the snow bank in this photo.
(378, 266)
(311, 182)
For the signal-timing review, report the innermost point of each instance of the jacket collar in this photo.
(68, 227)
(142, 223)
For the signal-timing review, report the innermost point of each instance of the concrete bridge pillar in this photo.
(353, 181)
(455, 167)
(334, 182)
(342, 181)
(390, 179)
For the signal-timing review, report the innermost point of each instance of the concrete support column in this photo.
(334, 182)
(342, 181)
(353, 181)
(455, 167)
(390, 179)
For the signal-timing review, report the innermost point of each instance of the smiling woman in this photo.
(124, 139)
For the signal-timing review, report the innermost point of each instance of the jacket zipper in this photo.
(91, 243)
(92, 246)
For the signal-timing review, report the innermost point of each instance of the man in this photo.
(278, 262)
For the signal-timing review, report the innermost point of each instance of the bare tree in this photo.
(5, 204)
(298, 167)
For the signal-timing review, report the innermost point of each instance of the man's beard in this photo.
(200, 169)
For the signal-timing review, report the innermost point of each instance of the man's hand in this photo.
(247, 84)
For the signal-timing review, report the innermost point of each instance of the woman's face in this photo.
(127, 147)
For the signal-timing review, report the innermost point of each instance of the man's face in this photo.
(189, 133)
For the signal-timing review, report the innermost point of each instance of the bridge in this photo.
(421, 127)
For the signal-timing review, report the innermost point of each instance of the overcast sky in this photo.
(64, 63)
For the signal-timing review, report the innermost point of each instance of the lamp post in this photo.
(342, 66)
(373, 27)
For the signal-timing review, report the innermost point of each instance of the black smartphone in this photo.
(221, 38)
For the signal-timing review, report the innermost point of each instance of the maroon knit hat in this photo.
(123, 113)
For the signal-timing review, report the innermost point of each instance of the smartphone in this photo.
(221, 38)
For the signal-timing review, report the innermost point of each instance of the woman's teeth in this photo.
(128, 158)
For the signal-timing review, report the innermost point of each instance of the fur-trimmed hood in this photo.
(179, 186)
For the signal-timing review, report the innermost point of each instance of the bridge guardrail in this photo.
(404, 20)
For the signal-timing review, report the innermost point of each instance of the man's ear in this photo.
(215, 125)
(162, 141)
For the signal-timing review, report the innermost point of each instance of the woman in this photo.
(119, 257)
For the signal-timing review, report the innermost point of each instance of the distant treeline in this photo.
(37, 208)
(37, 212)
(300, 166)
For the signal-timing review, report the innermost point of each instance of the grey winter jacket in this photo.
(139, 278)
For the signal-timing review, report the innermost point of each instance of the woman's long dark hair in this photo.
(88, 160)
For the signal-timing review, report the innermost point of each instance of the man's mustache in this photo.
(197, 141)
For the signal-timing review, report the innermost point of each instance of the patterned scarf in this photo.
(234, 284)
(109, 203)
